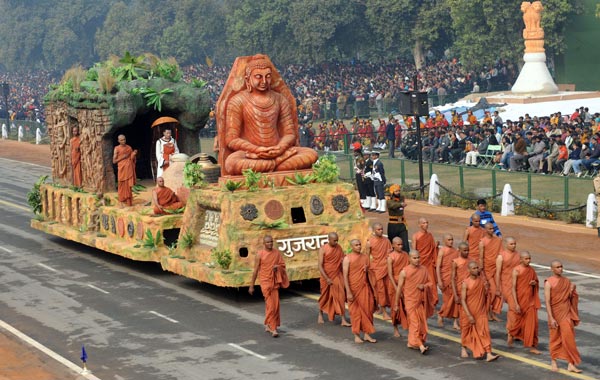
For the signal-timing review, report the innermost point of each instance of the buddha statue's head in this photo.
(258, 75)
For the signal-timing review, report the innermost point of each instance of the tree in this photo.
(408, 26)
(490, 29)
(314, 24)
(21, 45)
(135, 27)
(260, 27)
(556, 17)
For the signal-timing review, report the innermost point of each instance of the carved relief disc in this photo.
(274, 209)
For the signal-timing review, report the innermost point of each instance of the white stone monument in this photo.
(534, 78)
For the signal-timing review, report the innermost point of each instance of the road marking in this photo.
(32, 342)
(567, 271)
(457, 340)
(47, 267)
(10, 204)
(6, 250)
(163, 316)
(98, 289)
(509, 355)
(25, 163)
(247, 351)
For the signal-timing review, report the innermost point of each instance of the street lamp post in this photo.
(5, 92)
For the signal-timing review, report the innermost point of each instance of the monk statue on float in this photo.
(257, 121)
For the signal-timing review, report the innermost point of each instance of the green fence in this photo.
(561, 192)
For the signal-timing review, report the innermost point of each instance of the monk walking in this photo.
(489, 249)
(333, 295)
(563, 315)
(460, 271)
(76, 157)
(446, 256)
(124, 157)
(523, 317)
(474, 327)
(396, 261)
(425, 244)
(164, 199)
(506, 262)
(473, 235)
(378, 248)
(270, 268)
(416, 288)
(358, 293)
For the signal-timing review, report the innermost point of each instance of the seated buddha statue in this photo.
(258, 126)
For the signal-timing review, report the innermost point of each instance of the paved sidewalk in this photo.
(21, 361)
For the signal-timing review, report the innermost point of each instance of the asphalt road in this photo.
(138, 322)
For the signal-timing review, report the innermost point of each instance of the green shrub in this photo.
(222, 258)
(232, 186)
(276, 225)
(187, 240)
(152, 241)
(300, 179)
(34, 197)
(193, 176)
(252, 179)
(326, 169)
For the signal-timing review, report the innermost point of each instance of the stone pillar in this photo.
(434, 191)
(534, 78)
(508, 201)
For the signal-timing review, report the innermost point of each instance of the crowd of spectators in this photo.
(324, 91)
(554, 144)
(26, 93)
(327, 96)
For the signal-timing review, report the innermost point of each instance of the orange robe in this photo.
(76, 161)
(449, 308)
(427, 247)
(363, 306)
(126, 172)
(166, 199)
(509, 263)
(524, 326)
(462, 272)
(491, 250)
(380, 249)
(419, 304)
(270, 281)
(168, 150)
(399, 261)
(475, 236)
(333, 297)
(565, 311)
(476, 337)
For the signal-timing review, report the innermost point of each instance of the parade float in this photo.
(263, 182)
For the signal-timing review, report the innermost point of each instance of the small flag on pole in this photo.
(84, 359)
(83, 354)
